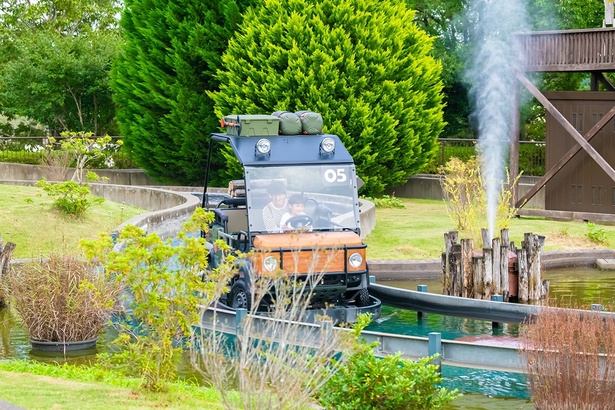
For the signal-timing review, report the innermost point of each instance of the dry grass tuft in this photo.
(61, 299)
(570, 357)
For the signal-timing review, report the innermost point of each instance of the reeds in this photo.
(274, 363)
(61, 299)
(570, 356)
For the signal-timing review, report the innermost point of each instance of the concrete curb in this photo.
(432, 269)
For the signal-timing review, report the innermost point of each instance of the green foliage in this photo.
(463, 192)
(363, 64)
(171, 53)
(82, 149)
(370, 382)
(595, 233)
(464, 196)
(70, 197)
(61, 81)
(167, 285)
(386, 201)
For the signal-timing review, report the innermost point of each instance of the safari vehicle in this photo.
(324, 240)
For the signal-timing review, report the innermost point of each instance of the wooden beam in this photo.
(591, 151)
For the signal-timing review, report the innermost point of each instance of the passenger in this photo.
(296, 204)
(275, 209)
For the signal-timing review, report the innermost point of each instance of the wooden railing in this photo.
(568, 50)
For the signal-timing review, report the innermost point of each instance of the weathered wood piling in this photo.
(6, 249)
(499, 268)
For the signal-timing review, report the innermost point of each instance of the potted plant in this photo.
(63, 301)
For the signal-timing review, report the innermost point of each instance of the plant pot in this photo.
(62, 347)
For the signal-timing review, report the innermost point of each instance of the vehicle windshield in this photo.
(314, 198)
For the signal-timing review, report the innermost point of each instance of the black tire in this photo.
(363, 298)
(240, 295)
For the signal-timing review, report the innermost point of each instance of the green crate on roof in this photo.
(251, 125)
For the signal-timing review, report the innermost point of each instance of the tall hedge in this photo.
(171, 53)
(363, 64)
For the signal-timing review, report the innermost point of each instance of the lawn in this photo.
(28, 219)
(416, 232)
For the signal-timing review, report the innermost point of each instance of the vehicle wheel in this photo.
(240, 295)
(363, 298)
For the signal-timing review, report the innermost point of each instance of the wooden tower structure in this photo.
(579, 181)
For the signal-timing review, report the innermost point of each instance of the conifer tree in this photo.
(172, 51)
(363, 64)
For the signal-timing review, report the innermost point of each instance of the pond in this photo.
(569, 287)
(484, 389)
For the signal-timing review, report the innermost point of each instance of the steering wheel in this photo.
(299, 221)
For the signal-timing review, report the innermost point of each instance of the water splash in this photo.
(491, 73)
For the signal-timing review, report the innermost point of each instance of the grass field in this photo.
(28, 219)
(415, 232)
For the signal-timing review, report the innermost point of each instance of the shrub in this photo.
(370, 382)
(166, 285)
(570, 356)
(464, 196)
(595, 233)
(71, 198)
(273, 363)
(62, 299)
(386, 201)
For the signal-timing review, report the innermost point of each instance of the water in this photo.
(484, 390)
(570, 287)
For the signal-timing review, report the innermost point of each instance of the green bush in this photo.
(21, 157)
(168, 285)
(370, 382)
(386, 201)
(532, 159)
(595, 233)
(71, 198)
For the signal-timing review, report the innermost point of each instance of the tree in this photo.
(168, 63)
(61, 82)
(57, 57)
(363, 64)
(445, 21)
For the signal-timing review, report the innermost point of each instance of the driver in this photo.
(275, 209)
(296, 204)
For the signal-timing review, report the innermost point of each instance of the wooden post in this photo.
(504, 249)
(5, 259)
(450, 238)
(477, 267)
(533, 266)
(496, 283)
(487, 272)
(522, 290)
(456, 270)
(466, 267)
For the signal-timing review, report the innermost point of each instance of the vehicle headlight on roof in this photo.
(355, 260)
(327, 145)
(263, 146)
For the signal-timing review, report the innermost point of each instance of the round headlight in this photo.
(263, 146)
(270, 264)
(327, 145)
(355, 260)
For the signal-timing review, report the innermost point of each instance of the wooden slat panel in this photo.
(572, 50)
